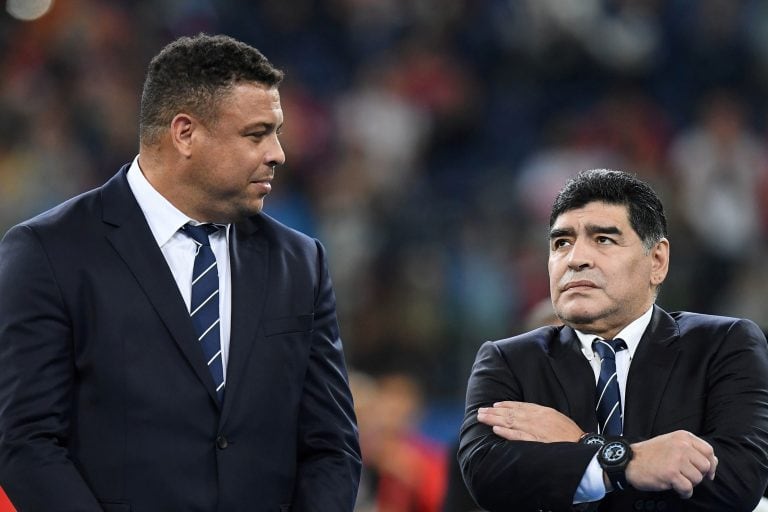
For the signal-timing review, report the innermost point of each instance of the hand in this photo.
(522, 421)
(678, 460)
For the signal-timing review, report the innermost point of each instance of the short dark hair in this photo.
(646, 213)
(192, 74)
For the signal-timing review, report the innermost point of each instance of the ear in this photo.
(182, 128)
(659, 262)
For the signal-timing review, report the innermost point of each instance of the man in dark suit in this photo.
(673, 416)
(124, 385)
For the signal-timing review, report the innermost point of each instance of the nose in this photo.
(275, 155)
(580, 255)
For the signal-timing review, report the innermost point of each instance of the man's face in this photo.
(233, 159)
(601, 277)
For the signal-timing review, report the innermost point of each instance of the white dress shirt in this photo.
(592, 486)
(179, 250)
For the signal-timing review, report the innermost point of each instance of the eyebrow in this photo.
(592, 229)
(261, 125)
(558, 232)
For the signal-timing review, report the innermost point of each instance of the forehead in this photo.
(594, 213)
(252, 102)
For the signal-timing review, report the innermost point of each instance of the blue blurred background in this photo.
(425, 140)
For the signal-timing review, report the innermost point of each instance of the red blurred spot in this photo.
(5, 503)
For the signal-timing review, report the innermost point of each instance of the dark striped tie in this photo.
(204, 306)
(609, 415)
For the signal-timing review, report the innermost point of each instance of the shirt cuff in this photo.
(592, 485)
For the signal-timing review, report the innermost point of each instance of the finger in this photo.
(692, 473)
(682, 486)
(495, 412)
(702, 464)
(705, 449)
(511, 434)
(713, 461)
(702, 446)
(517, 412)
(520, 407)
(493, 417)
(713, 468)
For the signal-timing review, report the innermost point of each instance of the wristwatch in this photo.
(613, 457)
(591, 438)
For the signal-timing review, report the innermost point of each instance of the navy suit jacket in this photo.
(106, 402)
(704, 374)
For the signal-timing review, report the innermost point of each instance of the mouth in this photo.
(579, 284)
(265, 184)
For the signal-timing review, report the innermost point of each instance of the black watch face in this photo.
(614, 452)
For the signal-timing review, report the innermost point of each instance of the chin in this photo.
(577, 316)
(250, 208)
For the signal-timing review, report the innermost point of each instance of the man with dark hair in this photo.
(625, 407)
(165, 345)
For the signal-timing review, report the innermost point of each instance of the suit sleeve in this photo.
(36, 383)
(736, 421)
(521, 475)
(329, 451)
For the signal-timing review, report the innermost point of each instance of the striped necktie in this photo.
(609, 414)
(204, 306)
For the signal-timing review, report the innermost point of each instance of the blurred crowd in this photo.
(425, 140)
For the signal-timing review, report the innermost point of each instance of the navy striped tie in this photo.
(204, 306)
(609, 414)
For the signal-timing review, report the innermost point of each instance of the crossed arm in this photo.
(677, 460)
(523, 451)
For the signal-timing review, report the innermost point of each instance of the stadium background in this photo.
(425, 140)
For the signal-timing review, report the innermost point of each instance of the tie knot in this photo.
(608, 348)
(200, 233)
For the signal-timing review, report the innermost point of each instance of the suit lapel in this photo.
(132, 239)
(249, 257)
(649, 373)
(576, 378)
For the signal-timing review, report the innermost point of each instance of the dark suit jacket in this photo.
(704, 374)
(106, 402)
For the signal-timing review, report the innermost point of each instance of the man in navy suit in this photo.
(673, 417)
(111, 397)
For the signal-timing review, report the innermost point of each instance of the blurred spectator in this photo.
(384, 127)
(457, 497)
(719, 164)
(403, 470)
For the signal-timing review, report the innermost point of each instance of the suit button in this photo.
(661, 505)
(638, 505)
(221, 442)
(650, 505)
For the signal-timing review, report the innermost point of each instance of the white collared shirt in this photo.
(179, 250)
(592, 486)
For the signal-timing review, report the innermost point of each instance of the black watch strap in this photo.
(618, 479)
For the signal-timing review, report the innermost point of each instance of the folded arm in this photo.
(529, 473)
(678, 460)
(721, 467)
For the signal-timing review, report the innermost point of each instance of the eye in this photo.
(558, 243)
(604, 240)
